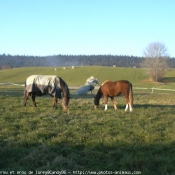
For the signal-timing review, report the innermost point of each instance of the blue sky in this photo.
(85, 27)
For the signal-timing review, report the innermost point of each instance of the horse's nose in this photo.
(65, 108)
(95, 106)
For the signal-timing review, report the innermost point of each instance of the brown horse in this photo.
(113, 89)
(39, 85)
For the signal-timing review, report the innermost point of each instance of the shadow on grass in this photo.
(87, 96)
(168, 79)
(157, 159)
(136, 106)
(18, 93)
(11, 93)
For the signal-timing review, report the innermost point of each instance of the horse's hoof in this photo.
(55, 107)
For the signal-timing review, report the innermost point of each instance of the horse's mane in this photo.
(91, 81)
(97, 96)
(99, 92)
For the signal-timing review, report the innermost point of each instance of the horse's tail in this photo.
(131, 95)
(25, 91)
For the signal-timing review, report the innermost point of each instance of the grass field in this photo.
(78, 76)
(74, 77)
(84, 139)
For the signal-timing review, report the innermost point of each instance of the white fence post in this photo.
(152, 90)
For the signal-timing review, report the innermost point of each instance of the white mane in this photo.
(91, 81)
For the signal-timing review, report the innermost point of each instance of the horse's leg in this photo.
(114, 103)
(128, 104)
(106, 102)
(93, 92)
(33, 99)
(130, 98)
(55, 102)
(130, 107)
(127, 101)
(26, 96)
(126, 108)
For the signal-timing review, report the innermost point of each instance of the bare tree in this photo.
(156, 57)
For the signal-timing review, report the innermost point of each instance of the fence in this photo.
(152, 89)
(9, 83)
(75, 87)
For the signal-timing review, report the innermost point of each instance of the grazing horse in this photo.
(113, 89)
(39, 85)
(89, 86)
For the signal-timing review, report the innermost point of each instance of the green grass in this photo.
(85, 139)
(75, 77)
(78, 76)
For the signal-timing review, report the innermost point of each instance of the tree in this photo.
(156, 57)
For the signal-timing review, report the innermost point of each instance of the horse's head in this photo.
(92, 82)
(65, 103)
(96, 81)
(96, 102)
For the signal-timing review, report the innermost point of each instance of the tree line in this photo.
(15, 61)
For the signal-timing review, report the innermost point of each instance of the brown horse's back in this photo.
(116, 88)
